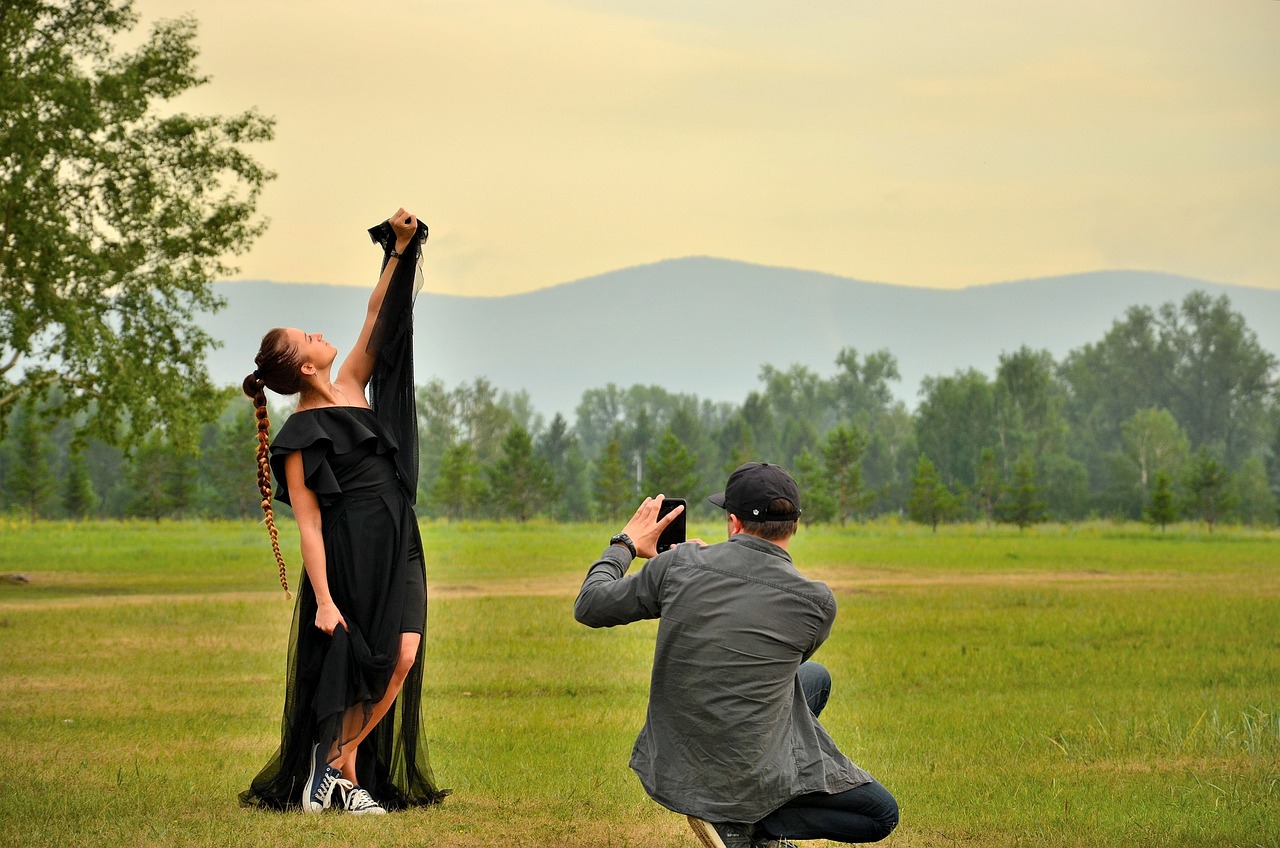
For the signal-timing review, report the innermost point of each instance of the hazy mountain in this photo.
(706, 326)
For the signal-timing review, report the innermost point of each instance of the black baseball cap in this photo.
(752, 487)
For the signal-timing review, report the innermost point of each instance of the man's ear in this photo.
(735, 525)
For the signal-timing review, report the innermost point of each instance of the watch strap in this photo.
(624, 539)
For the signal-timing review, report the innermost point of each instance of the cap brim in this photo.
(717, 499)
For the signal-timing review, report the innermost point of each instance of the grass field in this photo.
(1086, 686)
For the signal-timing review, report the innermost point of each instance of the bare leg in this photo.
(346, 763)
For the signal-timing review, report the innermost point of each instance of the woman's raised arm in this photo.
(357, 367)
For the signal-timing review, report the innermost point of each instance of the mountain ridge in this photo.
(706, 326)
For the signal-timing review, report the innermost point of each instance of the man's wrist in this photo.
(624, 540)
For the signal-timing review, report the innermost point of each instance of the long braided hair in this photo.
(277, 362)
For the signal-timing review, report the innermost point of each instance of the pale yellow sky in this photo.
(904, 141)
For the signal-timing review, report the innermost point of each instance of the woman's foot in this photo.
(360, 803)
(321, 782)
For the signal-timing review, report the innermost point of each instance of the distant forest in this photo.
(1173, 415)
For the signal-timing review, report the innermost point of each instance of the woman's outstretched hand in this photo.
(405, 226)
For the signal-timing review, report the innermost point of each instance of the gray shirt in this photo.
(727, 735)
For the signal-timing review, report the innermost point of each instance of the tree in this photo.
(842, 457)
(1208, 487)
(672, 470)
(1163, 508)
(1199, 360)
(956, 425)
(520, 480)
(815, 494)
(29, 481)
(1150, 439)
(148, 496)
(1028, 399)
(458, 486)
(612, 483)
(228, 460)
(1254, 503)
(116, 213)
(78, 497)
(1019, 504)
(1066, 487)
(931, 501)
(861, 390)
(988, 483)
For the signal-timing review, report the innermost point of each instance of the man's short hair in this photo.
(774, 531)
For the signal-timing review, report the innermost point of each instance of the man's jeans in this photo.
(866, 813)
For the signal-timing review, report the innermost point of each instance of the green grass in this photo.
(1082, 686)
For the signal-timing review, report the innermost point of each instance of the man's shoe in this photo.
(317, 796)
(358, 802)
(766, 842)
(721, 834)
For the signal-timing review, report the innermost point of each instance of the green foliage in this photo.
(842, 462)
(612, 484)
(955, 423)
(520, 483)
(1198, 360)
(987, 488)
(459, 486)
(226, 482)
(78, 498)
(1208, 488)
(815, 494)
(1163, 508)
(29, 481)
(1254, 502)
(1020, 503)
(116, 213)
(931, 501)
(672, 470)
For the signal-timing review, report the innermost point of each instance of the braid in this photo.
(264, 474)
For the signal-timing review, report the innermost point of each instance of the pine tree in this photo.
(148, 496)
(815, 494)
(519, 481)
(672, 470)
(931, 501)
(78, 497)
(1208, 486)
(1019, 504)
(842, 456)
(612, 483)
(1162, 509)
(30, 482)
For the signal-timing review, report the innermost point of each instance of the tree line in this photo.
(1174, 414)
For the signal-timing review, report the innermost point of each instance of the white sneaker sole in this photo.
(307, 806)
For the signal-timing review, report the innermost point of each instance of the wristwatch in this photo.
(624, 539)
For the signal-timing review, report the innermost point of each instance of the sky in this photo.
(913, 142)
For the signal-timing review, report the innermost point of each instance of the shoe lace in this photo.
(358, 798)
(331, 781)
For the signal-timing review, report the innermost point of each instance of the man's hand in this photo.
(644, 528)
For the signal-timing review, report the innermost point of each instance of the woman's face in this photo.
(312, 348)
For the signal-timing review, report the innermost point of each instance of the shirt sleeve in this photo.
(825, 620)
(609, 596)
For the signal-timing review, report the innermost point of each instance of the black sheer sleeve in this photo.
(391, 389)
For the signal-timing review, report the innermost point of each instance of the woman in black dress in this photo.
(351, 736)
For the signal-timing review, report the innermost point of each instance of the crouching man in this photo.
(731, 737)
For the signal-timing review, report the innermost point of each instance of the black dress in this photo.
(362, 466)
